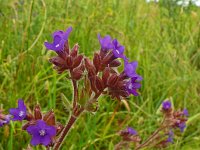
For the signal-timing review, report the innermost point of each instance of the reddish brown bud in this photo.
(103, 53)
(77, 73)
(77, 61)
(93, 84)
(69, 61)
(97, 61)
(115, 63)
(105, 75)
(107, 59)
(99, 84)
(112, 81)
(74, 51)
(88, 64)
(123, 93)
(66, 47)
(37, 112)
(49, 118)
(58, 61)
(90, 67)
(29, 116)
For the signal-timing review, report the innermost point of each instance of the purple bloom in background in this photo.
(182, 126)
(41, 133)
(170, 136)
(118, 49)
(4, 119)
(106, 42)
(131, 131)
(18, 113)
(166, 105)
(59, 39)
(132, 86)
(185, 112)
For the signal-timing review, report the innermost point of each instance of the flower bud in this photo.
(112, 81)
(115, 63)
(37, 112)
(74, 51)
(97, 61)
(99, 84)
(49, 118)
(77, 61)
(105, 75)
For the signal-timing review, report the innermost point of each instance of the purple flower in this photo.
(132, 86)
(41, 133)
(185, 112)
(170, 136)
(130, 70)
(106, 42)
(59, 39)
(166, 105)
(18, 113)
(131, 131)
(118, 49)
(182, 126)
(4, 119)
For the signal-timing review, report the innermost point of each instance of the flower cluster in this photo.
(42, 128)
(100, 76)
(129, 135)
(173, 118)
(101, 72)
(163, 136)
(106, 61)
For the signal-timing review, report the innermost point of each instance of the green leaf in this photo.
(66, 102)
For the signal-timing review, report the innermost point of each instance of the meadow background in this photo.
(164, 38)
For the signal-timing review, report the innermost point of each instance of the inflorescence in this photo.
(161, 137)
(101, 76)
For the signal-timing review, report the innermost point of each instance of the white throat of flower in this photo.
(130, 86)
(21, 113)
(117, 51)
(57, 45)
(42, 132)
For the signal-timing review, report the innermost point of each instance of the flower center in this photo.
(57, 45)
(42, 132)
(21, 113)
(117, 51)
(130, 86)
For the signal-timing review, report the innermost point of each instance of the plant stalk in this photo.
(65, 132)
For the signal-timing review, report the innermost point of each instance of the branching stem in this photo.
(149, 140)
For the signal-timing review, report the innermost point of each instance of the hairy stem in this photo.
(75, 93)
(65, 132)
(75, 114)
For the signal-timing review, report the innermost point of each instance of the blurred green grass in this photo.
(164, 38)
